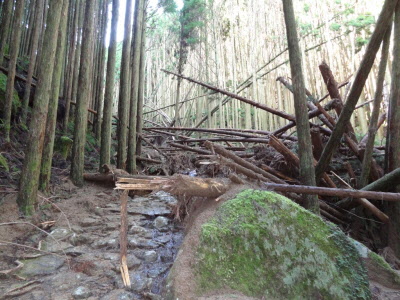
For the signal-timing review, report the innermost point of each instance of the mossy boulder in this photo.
(16, 102)
(263, 245)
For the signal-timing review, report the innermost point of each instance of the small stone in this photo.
(142, 243)
(150, 256)
(106, 242)
(140, 231)
(158, 270)
(76, 251)
(163, 239)
(152, 296)
(98, 211)
(81, 292)
(118, 295)
(80, 239)
(140, 282)
(59, 234)
(87, 222)
(161, 223)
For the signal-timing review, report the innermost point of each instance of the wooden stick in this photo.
(124, 238)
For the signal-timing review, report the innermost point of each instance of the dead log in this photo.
(226, 139)
(232, 95)
(228, 154)
(293, 159)
(385, 183)
(217, 131)
(316, 141)
(333, 90)
(334, 192)
(149, 160)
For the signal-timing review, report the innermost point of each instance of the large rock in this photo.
(263, 245)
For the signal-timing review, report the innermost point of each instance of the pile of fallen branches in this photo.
(269, 158)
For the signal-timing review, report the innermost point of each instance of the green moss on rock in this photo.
(264, 245)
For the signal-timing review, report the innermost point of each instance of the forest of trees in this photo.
(80, 80)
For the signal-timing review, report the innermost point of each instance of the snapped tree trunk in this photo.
(307, 172)
(33, 155)
(105, 148)
(81, 116)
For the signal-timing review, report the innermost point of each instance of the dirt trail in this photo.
(87, 248)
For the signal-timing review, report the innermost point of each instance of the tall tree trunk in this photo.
(53, 103)
(32, 58)
(124, 90)
(105, 148)
(77, 65)
(135, 66)
(307, 172)
(369, 147)
(72, 58)
(14, 50)
(81, 115)
(100, 100)
(382, 24)
(394, 135)
(33, 155)
(139, 121)
(6, 15)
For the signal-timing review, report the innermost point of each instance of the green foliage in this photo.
(361, 21)
(306, 7)
(305, 28)
(169, 6)
(335, 27)
(361, 42)
(3, 163)
(191, 19)
(264, 245)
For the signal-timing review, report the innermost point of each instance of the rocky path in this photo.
(92, 247)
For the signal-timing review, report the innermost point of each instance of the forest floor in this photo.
(85, 245)
(84, 236)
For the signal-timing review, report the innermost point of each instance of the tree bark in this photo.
(32, 58)
(14, 50)
(123, 103)
(369, 148)
(135, 67)
(382, 24)
(6, 15)
(307, 172)
(393, 150)
(33, 155)
(139, 121)
(105, 147)
(81, 116)
(44, 179)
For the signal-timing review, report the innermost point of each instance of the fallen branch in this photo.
(232, 95)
